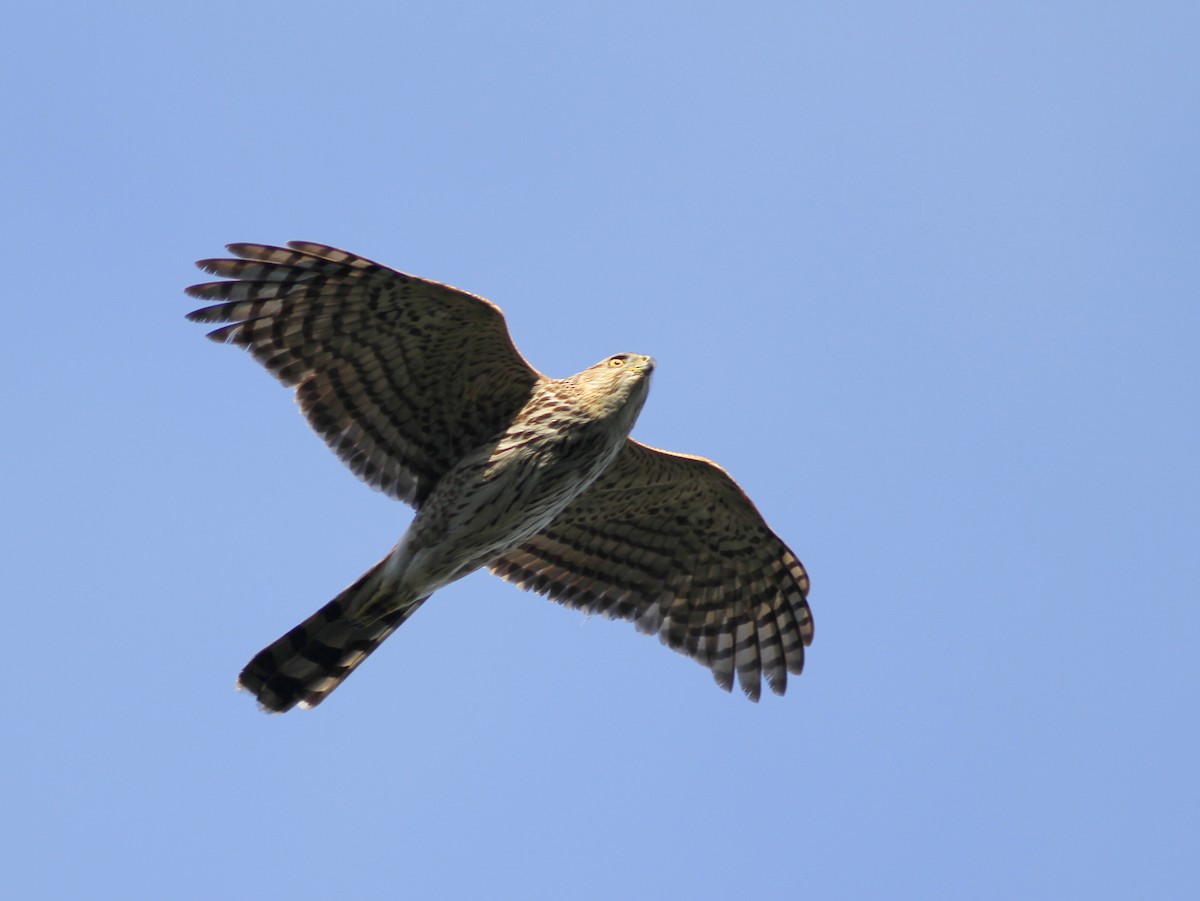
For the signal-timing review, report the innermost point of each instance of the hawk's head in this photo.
(617, 386)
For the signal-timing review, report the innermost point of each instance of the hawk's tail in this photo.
(313, 659)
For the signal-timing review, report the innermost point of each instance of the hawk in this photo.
(419, 389)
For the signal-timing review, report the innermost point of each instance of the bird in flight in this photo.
(419, 389)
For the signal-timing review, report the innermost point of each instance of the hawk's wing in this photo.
(671, 542)
(400, 376)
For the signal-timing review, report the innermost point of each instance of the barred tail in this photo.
(314, 658)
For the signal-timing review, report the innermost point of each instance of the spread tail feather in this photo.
(305, 665)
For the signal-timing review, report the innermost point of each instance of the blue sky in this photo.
(922, 277)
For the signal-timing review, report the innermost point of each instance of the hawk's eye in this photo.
(616, 361)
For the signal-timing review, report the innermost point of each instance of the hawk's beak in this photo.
(646, 364)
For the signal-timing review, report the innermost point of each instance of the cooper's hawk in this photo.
(418, 388)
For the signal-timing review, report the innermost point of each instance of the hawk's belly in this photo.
(495, 500)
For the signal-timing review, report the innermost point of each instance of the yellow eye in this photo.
(616, 361)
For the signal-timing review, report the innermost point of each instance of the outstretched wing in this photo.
(671, 542)
(400, 376)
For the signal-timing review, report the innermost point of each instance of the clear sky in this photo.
(923, 277)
